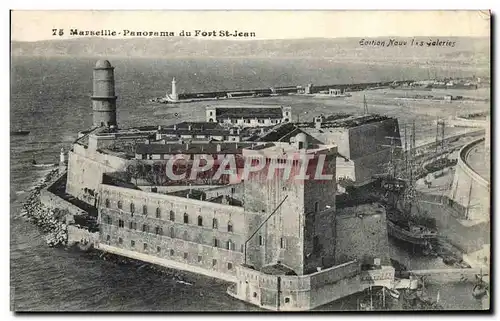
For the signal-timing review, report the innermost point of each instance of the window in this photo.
(158, 230)
(132, 208)
(119, 205)
(211, 113)
(214, 262)
(247, 121)
(200, 220)
(145, 246)
(287, 300)
(233, 190)
(172, 252)
(230, 227)
(108, 238)
(132, 243)
(242, 248)
(316, 244)
(106, 202)
(216, 242)
(172, 232)
(282, 243)
(185, 255)
(172, 216)
(316, 206)
(255, 294)
(199, 258)
(229, 266)
(108, 220)
(158, 212)
(214, 223)
(186, 218)
(158, 249)
(261, 121)
(121, 223)
(261, 240)
(120, 240)
(145, 228)
(230, 245)
(144, 209)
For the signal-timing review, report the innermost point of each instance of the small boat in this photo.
(394, 293)
(183, 282)
(20, 132)
(481, 288)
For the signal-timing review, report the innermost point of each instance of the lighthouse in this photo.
(174, 95)
(103, 96)
(62, 161)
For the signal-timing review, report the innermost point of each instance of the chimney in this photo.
(190, 127)
(175, 126)
(219, 147)
(147, 141)
(187, 145)
(159, 127)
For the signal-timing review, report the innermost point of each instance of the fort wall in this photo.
(296, 293)
(361, 234)
(469, 189)
(86, 167)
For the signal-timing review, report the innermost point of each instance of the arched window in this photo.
(230, 245)
(172, 216)
(132, 208)
(144, 209)
(186, 218)
(229, 226)
(214, 223)
(119, 205)
(316, 206)
(200, 220)
(158, 212)
(172, 232)
(216, 242)
(106, 203)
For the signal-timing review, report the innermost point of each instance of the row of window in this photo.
(171, 252)
(215, 223)
(230, 245)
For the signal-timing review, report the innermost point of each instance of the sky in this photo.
(38, 25)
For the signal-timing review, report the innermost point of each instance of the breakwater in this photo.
(274, 91)
(51, 221)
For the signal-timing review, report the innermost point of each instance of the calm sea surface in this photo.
(51, 98)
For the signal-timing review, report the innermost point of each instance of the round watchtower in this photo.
(103, 96)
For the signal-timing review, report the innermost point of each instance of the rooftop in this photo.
(344, 121)
(250, 112)
(284, 149)
(196, 126)
(192, 148)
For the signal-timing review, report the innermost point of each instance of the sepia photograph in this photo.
(250, 161)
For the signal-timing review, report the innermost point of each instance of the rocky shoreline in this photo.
(49, 221)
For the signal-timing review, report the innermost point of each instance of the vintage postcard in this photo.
(250, 160)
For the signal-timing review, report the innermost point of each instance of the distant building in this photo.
(249, 116)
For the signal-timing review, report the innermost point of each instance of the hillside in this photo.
(467, 50)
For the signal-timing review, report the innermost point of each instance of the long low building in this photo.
(249, 116)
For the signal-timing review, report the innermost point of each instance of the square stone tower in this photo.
(291, 205)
